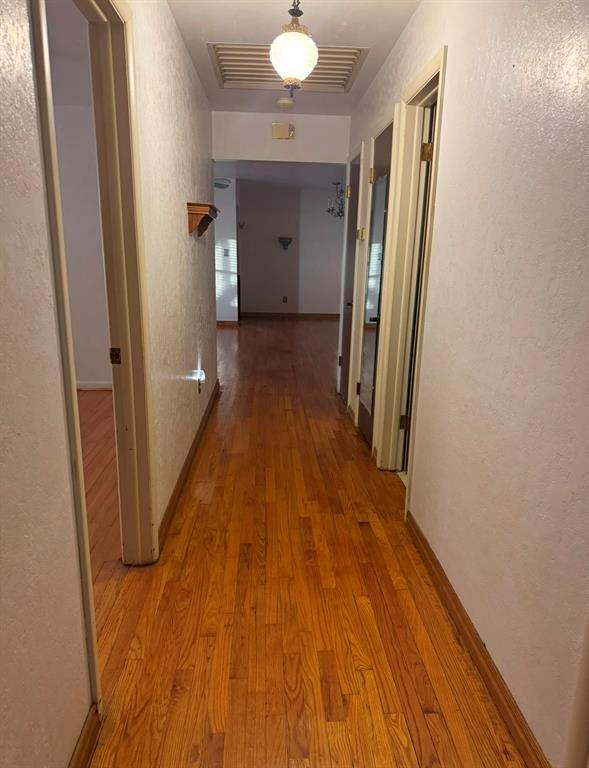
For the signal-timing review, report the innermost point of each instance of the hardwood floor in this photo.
(102, 501)
(290, 622)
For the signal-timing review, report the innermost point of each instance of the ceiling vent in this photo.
(248, 67)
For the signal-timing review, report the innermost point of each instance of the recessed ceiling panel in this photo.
(246, 66)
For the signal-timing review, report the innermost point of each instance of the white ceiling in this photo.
(303, 175)
(372, 24)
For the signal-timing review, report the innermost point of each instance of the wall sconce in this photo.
(285, 242)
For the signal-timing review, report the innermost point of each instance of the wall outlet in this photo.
(284, 299)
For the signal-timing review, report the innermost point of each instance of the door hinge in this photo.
(115, 355)
(361, 233)
(404, 421)
(358, 388)
(348, 191)
(427, 152)
(371, 175)
(340, 360)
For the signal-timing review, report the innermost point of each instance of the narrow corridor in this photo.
(290, 622)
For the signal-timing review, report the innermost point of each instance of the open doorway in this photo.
(73, 109)
(380, 179)
(103, 29)
(416, 289)
(415, 152)
(278, 247)
(353, 195)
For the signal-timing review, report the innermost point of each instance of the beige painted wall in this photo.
(248, 136)
(308, 274)
(44, 690)
(501, 473)
(174, 124)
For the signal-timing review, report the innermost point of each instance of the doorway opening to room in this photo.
(279, 238)
(82, 60)
(352, 236)
(380, 179)
(75, 135)
(414, 309)
(415, 153)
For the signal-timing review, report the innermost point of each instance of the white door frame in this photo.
(345, 257)
(112, 83)
(400, 249)
(364, 199)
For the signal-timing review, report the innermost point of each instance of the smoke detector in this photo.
(221, 183)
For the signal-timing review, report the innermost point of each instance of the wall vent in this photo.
(248, 67)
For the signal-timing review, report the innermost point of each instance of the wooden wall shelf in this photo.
(200, 216)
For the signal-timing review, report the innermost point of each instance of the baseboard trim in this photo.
(81, 385)
(87, 741)
(519, 730)
(174, 498)
(295, 315)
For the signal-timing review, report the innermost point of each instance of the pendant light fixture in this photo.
(293, 53)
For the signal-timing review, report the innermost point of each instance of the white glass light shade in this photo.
(294, 56)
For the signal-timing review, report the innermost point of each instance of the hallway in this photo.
(289, 622)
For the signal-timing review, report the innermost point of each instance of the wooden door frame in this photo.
(111, 56)
(398, 269)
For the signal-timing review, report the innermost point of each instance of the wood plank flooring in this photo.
(102, 499)
(290, 622)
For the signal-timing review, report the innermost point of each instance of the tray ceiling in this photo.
(369, 26)
(248, 66)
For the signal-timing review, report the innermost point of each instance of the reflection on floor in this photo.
(102, 503)
(290, 622)
(368, 361)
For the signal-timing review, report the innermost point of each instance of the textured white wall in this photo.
(226, 253)
(248, 136)
(267, 271)
(309, 272)
(44, 691)
(174, 123)
(501, 472)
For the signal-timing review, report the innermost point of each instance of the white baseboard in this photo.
(94, 385)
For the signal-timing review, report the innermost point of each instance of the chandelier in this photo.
(336, 206)
(293, 53)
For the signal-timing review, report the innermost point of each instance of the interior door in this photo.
(376, 246)
(349, 270)
(416, 291)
